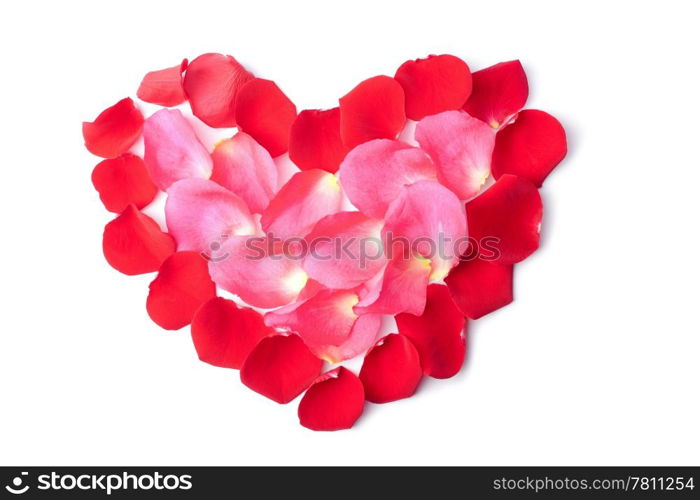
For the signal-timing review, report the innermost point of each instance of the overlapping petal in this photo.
(244, 167)
(314, 140)
(391, 370)
(114, 130)
(334, 402)
(172, 149)
(164, 86)
(123, 181)
(373, 173)
(498, 93)
(479, 287)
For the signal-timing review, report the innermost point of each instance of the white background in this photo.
(596, 362)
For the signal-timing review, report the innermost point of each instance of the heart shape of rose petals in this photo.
(285, 245)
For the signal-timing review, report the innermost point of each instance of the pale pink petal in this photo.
(245, 266)
(244, 167)
(429, 220)
(344, 250)
(373, 173)
(172, 150)
(307, 197)
(200, 214)
(461, 147)
(328, 325)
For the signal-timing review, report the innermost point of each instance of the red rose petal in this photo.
(314, 140)
(280, 368)
(123, 181)
(479, 287)
(181, 287)
(224, 334)
(498, 93)
(211, 83)
(164, 86)
(438, 334)
(391, 370)
(134, 244)
(264, 112)
(114, 131)
(434, 84)
(510, 211)
(375, 109)
(334, 402)
(530, 147)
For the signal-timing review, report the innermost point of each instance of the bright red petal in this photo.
(479, 287)
(438, 334)
(509, 213)
(164, 86)
(244, 167)
(301, 203)
(123, 181)
(461, 147)
(172, 149)
(180, 289)
(391, 370)
(224, 334)
(114, 131)
(530, 147)
(212, 82)
(244, 266)
(499, 92)
(314, 140)
(374, 173)
(344, 250)
(434, 84)
(200, 214)
(374, 109)
(266, 113)
(334, 402)
(134, 244)
(280, 367)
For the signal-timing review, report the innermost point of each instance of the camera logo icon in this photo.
(16, 487)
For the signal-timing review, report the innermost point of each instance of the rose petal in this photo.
(123, 181)
(530, 147)
(373, 173)
(334, 402)
(328, 325)
(244, 167)
(374, 109)
(434, 84)
(164, 86)
(114, 131)
(344, 250)
(498, 93)
(172, 150)
(509, 213)
(461, 147)
(224, 334)
(391, 370)
(280, 367)
(266, 113)
(301, 203)
(438, 334)
(262, 278)
(479, 287)
(179, 290)
(314, 140)
(200, 213)
(134, 244)
(427, 219)
(211, 83)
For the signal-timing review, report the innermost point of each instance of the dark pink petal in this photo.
(172, 150)
(164, 86)
(301, 203)
(373, 173)
(391, 370)
(334, 402)
(244, 167)
(123, 181)
(314, 140)
(344, 250)
(498, 93)
(114, 131)
(280, 367)
(461, 147)
(479, 287)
